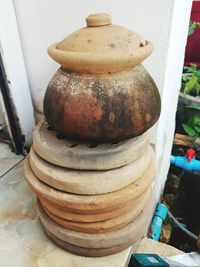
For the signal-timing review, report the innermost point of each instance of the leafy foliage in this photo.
(192, 26)
(191, 75)
(194, 107)
(191, 80)
(192, 127)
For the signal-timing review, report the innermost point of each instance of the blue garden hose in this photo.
(190, 164)
(182, 162)
(160, 215)
(157, 221)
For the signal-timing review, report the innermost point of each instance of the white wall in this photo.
(164, 22)
(171, 86)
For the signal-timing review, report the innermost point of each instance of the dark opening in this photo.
(10, 110)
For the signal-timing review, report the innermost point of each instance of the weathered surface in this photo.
(96, 252)
(102, 108)
(107, 225)
(93, 203)
(89, 182)
(86, 156)
(91, 217)
(109, 239)
(100, 47)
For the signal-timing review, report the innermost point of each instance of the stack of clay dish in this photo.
(92, 200)
(94, 186)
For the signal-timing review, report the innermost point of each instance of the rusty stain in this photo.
(148, 117)
(112, 116)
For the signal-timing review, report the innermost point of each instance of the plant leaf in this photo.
(189, 130)
(190, 84)
(193, 121)
(191, 29)
(197, 107)
(197, 129)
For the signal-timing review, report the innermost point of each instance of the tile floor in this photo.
(7, 158)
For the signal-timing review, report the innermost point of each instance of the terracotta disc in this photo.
(87, 204)
(75, 155)
(89, 182)
(100, 240)
(108, 225)
(91, 217)
(95, 252)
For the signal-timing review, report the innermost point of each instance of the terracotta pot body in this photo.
(104, 96)
(102, 107)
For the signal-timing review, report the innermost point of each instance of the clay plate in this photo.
(100, 240)
(95, 252)
(108, 225)
(76, 155)
(94, 203)
(89, 182)
(91, 217)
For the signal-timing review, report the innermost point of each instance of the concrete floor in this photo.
(22, 241)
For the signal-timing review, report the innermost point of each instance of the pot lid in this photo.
(101, 47)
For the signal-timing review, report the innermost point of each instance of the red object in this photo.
(192, 52)
(190, 154)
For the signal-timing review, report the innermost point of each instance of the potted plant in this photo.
(189, 98)
(190, 87)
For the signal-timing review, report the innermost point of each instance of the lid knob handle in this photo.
(99, 19)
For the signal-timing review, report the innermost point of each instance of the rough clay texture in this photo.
(98, 240)
(89, 182)
(95, 252)
(93, 203)
(107, 225)
(101, 47)
(86, 156)
(87, 218)
(102, 108)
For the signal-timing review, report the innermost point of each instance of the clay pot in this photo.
(101, 92)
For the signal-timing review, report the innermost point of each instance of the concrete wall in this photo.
(162, 22)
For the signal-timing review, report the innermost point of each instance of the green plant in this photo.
(191, 75)
(192, 127)
(192, 26)
(191, 80)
